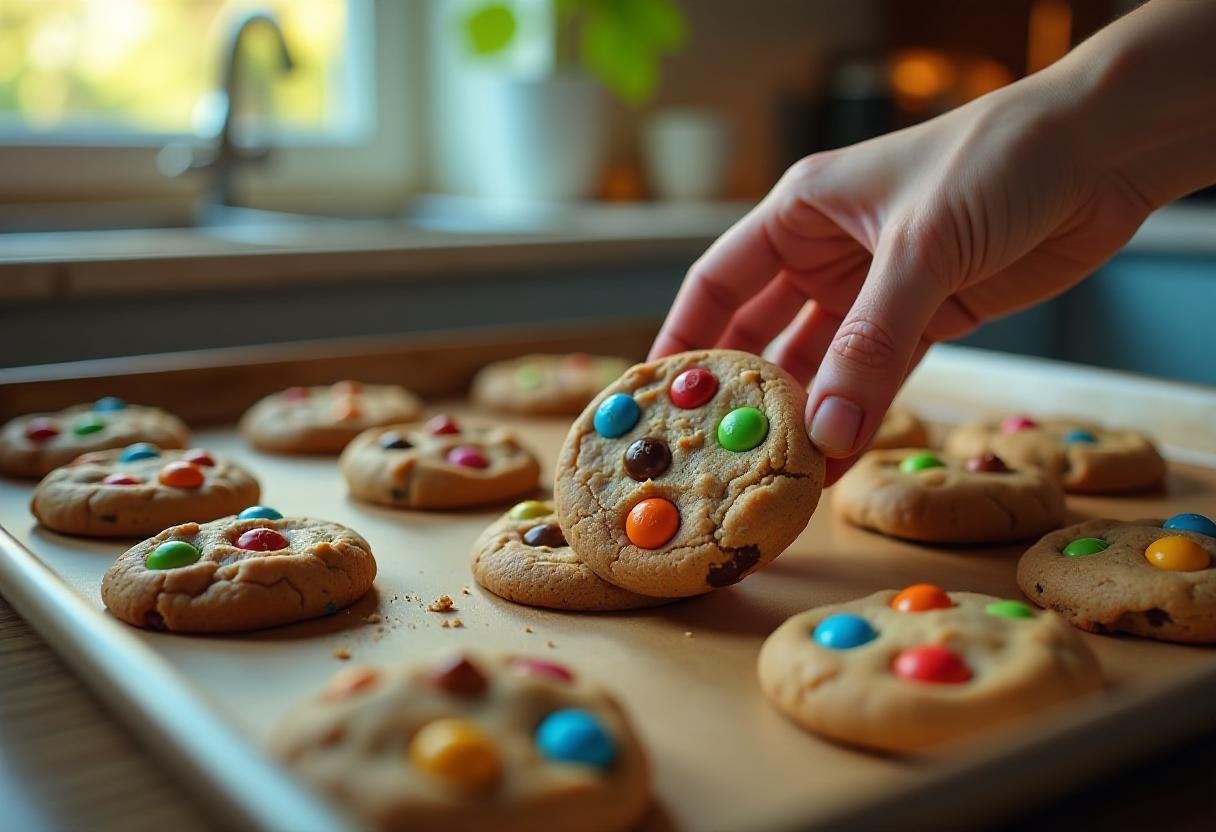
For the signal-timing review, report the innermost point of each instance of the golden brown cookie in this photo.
(900, 429)
(545, 384)
(1085, 458)
(437, 465)
(140, 490)
(907, 671)
(1151, 579)
(469, 742)
(33, 446)
(322, 420)
(688, 473)
(523, 557)
(921, 495)
(239, 573)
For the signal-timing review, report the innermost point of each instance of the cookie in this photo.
(900, 429)
(934, 498)
(258, 569)
(33, 446)
(907, 671)
(688, 473)
(1147, 578)
(1086, 458)
(523, 557)
(470, 742)
(322, 420)
(140, 490)
(440, 464)
(545, 384)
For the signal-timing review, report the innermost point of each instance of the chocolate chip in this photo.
(647, 459)
(546, 534)
(109, 518)
(1038, 588)
(1157, 617)
(155, 620)
(731, 572)
(393, 441)
(398, 494)
(459, 677)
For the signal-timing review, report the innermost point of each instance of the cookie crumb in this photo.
(464, 590)
(446, 624)
(550, 644)
(527, 629)
(456, 622)
(443, 603)
(688, 634)
(374, 618)
(341, 653)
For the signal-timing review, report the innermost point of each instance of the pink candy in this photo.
(468, 456)
(1013, 424)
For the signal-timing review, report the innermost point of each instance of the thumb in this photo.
(877, 341)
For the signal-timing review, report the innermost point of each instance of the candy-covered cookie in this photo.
(258, 569)
(906, 671)
(523, 557)
(439, 464)
(545, 384)
(688, 473)
(900, 429)
(469, 742)
(1149, 578)
(33, 446)
(934, 498)
(1085, 458)
(140, 490)
(322, 420)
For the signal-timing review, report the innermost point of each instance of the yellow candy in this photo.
(455, 750)
(1177, 554)
(529, 509)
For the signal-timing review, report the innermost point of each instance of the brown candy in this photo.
(647, 459)
(393, 441)
(459, 677)
(987, 464)
(546, 534)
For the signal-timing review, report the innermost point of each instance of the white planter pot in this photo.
(540, 139)
(687, 154)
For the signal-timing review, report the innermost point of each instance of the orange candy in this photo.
(1177, 554)
(346, 407)
(921, 597)
(181, 475)
(652, 522)
(347, 388)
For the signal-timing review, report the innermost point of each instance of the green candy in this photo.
(920, 461)
(528, 377)
(1085, 546)
(528, 510)
(742, 429)
(1009, 609)
(172, 554)
(89, 426)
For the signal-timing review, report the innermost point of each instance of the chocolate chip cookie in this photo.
(1150, 578)
(1085, 458)
(934, 498)
(900, 429)
(439, 464)
(255, 570)
(523, 557)
(688, 473)
(907, 671)
(469, 742)
(322, 420)
(140, 490)
(545, 384)
(33, 446)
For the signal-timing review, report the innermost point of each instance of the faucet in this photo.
(225, 156)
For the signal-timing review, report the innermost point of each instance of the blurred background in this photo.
(185, 174)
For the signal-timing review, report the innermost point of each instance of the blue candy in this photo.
(1077, 435)
(616, 415)
(140, 450)
(843, 631)
(259, 513)
(1190, 522)
(108, 404)
(575, 736)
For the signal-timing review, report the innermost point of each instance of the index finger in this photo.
(733, 270)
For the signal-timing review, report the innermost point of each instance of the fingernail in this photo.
(835, 425)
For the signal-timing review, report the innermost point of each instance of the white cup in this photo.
(687, 154)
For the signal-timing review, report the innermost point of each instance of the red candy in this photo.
(693, 388)
(467, 456)
(931, 663)
(296, 394)
(121, 479)
(1013, 424)
(442, 425)
(41, 429)
(261, 540)
(540, 667)
(199, 457)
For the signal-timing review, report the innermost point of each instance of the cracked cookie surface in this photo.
(527, 560)
(670, 499)
(1086, 458)
(900, 429)
(472, 742)
(545, 384)
(141, 490)
(441, 464)
(947, 502)
(945, 666)
(322, 420)
(1113, 585)
(206, 581)
(33, 446)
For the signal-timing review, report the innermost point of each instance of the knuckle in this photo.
(864, 346)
